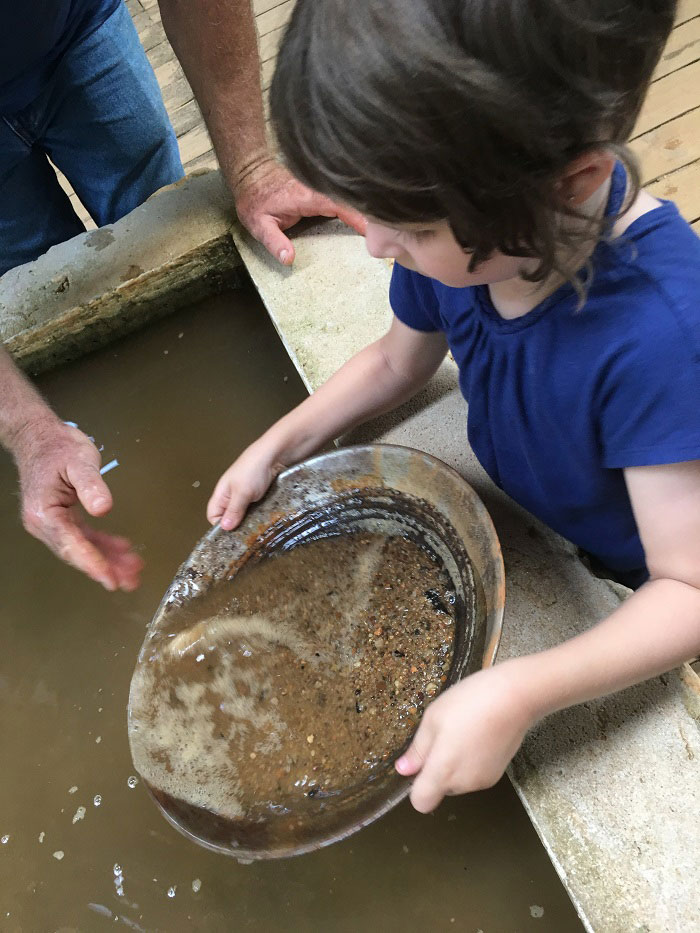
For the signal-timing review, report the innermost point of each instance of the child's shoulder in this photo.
(650, 272)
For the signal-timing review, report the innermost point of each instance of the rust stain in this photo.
(347, 483)
(674, 143)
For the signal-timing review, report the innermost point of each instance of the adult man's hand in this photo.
(59, 470)
(269, 200)
(215, 42)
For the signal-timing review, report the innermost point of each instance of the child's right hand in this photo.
(245, 481)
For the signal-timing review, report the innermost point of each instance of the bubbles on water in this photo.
(73, 789)
(132, 781)
(42, 836)
(98, 739)
(196, 885)
(118, 879)
(79, 815)
(5, 839)
(536, 911)
(97, 800)
(244, 861)
(58, 855)
(172, 890)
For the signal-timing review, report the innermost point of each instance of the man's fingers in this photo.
(353, 219)
(68, 541)
(274, 240)
(110, 544)
(124, 563)
(91, 490)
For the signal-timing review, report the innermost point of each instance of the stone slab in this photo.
(612, 787)
(168, 252)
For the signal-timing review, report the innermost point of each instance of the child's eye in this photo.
(419, 235)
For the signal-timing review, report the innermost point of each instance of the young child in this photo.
(484, 141)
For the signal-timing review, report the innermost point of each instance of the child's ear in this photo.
(584, 176)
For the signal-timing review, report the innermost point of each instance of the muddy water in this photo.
(82, 846)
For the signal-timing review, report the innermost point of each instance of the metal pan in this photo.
(371, 487)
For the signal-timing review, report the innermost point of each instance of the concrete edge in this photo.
(173, 250)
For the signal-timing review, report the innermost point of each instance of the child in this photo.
(484, 140)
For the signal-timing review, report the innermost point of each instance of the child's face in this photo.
(432, 250)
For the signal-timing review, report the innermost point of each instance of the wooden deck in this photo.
(666, 139)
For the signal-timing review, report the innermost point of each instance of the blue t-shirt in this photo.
(35, 34)
(561, 399)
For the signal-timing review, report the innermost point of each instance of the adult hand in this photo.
(59, 467)
(269, 200)
(467, 737)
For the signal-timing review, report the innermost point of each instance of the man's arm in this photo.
(216, 44)
(58, 468)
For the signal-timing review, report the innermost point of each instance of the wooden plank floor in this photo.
(666, 139)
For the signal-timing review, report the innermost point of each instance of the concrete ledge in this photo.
(612, 787)
(170, 251)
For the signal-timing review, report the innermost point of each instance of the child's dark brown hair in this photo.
(470, 110)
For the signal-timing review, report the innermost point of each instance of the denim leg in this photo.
(35, 212)
(104, 122)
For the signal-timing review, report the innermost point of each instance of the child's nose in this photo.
(381, 242)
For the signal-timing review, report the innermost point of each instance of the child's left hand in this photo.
(468, 736)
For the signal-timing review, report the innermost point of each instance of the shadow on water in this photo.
(175, 404)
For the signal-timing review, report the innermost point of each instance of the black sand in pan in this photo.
(290, 661)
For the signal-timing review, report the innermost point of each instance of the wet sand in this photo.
(175, 411)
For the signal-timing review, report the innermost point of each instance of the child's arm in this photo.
(468, 736)
(380, 377)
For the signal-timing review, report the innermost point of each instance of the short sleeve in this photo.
(413, 300)
(650, 410)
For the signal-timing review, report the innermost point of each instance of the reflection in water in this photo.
(174, 420)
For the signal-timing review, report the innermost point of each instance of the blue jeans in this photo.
(102, 121)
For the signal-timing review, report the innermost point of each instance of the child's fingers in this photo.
(233, 513)
(430, 787)
(227, 505)
(410, 762)
(219, 499)
(414, 757)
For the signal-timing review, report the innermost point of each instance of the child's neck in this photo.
(513, 298)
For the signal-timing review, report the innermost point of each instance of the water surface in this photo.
(83, 847)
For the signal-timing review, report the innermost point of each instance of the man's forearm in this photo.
(216, 43)
(655, 630)
(21, 406)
